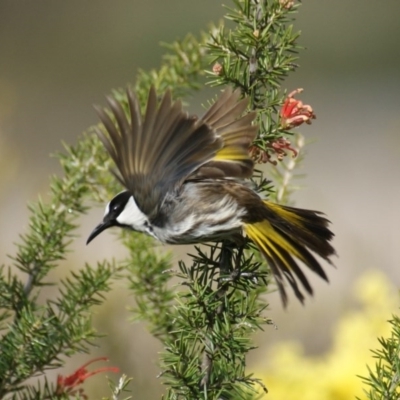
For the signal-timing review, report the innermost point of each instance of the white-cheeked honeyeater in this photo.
(187, 181)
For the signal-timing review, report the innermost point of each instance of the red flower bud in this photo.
(294, 112)
(217, 68)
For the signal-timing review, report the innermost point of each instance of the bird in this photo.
(186, 180)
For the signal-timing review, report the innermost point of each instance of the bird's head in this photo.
(121, 211)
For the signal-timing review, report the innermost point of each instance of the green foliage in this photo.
(119, 389)
(256, 55)
(148, 276)
(384, 379)
(36, 334)
(286, 173)
(182, 70)
(205, 355)
(206, 326)
(206, 321)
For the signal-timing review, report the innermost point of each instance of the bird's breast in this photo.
(195, 216)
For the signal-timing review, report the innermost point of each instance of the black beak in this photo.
(99, 228)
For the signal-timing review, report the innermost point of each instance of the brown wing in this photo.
(237, 133)
(155, 152)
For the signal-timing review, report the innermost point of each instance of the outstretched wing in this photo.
(155, 152)
(166, 146)
(237, 133)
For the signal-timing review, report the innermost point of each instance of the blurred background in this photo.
(58, 58)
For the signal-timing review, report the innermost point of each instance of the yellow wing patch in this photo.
(231, 153)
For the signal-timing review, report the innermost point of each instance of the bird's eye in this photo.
(115, 208)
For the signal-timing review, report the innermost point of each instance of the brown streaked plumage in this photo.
(186, 183)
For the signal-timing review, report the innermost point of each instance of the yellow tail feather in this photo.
(269, 241)
(286, 237)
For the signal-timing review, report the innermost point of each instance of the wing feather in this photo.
(157, 152)
(135, 124)
(237, 133)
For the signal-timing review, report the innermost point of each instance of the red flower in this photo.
(294, 112)
(258, 155)
(277, 147)
(68, 384)
(282, 144)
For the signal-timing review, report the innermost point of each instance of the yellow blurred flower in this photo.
(292, 375)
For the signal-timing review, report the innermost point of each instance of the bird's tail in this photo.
(288, 235)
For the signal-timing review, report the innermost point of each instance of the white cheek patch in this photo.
(133, 216)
